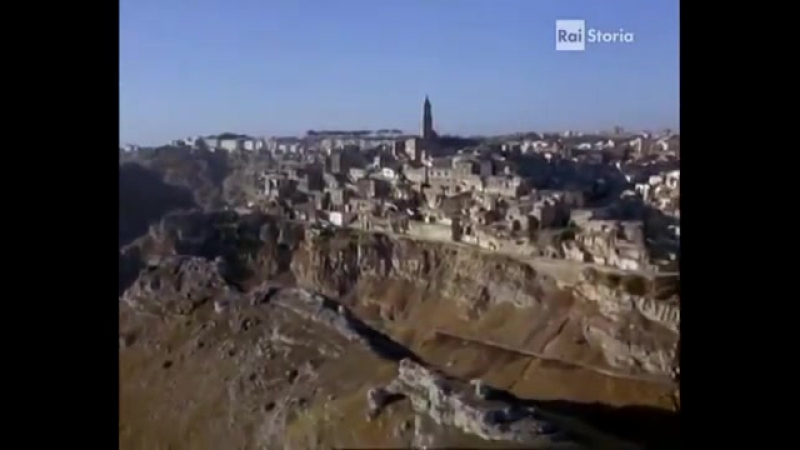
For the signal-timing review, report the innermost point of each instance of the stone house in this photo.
(359, 204)
(472, 183)
(414, 149)
(417, 175)
(270, 188)
(339, 162)
(339, 198)
(441, 170)
(548, 213)
(517, 216)
(486, 168)
(319, 199)
(374, 188)
(614, 243)
(357, 173)
(673, 179)
(330, 181)
(305, 212)
(464, 167)
(505, 186)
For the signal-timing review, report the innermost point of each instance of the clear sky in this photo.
(265, 67)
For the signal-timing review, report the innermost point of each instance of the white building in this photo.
(231, 144)
(335, 218)
(388, 173)
(673, 180)
(211, 142)
(241, 143)
(253, 145)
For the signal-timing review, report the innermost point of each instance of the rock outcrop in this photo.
(201, 173)
(249, 301)
(177, 286)
(634, 331)
(320, 309)
(144, 198)
(452, 402)
(338, 263)
(616, 300)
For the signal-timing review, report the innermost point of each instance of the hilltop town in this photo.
(609, 199)
(517, 291)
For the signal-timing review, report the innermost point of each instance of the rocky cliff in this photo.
(213, 179)
(200, 172)
(472, 314)
(628, 325)
(144, 198)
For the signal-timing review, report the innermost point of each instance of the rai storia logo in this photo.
(573, 35)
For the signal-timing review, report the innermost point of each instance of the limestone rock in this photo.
(178, 285)
(451, 402)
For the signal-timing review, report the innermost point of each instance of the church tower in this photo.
(427, 121)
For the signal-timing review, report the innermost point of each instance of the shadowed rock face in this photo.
(624, 329)
(202, 173)
(144, 198)
(225, 312)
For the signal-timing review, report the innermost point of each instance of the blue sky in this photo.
(265, 67)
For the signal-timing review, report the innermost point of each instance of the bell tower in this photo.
(427, 121)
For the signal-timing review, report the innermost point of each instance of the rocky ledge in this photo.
(179, 285)
(626, 325)
(478, 409)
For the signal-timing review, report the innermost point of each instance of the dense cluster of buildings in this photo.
(612, 199)
(537, 196)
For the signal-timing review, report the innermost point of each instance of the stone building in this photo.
(372, 188)
(339, 162)
(614, 243)
(463, 167)
(487, 168)
(416, 174)
(414, 149)
(503, 185)
(550, 212)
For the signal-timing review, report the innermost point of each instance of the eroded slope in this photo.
(211, 355)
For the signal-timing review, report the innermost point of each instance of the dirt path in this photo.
(607, 372)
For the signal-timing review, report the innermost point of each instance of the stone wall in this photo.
(431, 231)
(520, 248)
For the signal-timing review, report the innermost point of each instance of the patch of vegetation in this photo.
(635, 285)
(666, 287)
(611, 280)
(568, 234)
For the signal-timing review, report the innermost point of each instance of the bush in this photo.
(635, 285)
